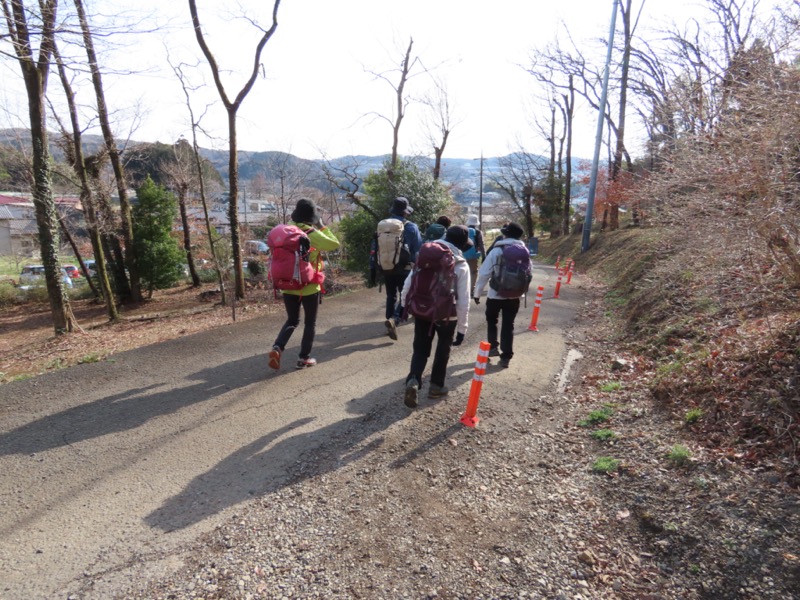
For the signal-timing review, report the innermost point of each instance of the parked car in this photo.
(91, 266)
(252, 247)
(72, 271)
(33, 275)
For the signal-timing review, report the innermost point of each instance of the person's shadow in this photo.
(281, 457)
(128, 410)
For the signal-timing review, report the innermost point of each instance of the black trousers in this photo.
(394, 285)
(423, 342)
(507, 308)
(292, 303)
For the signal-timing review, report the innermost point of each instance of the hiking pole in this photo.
(536, 305)
(468, 418)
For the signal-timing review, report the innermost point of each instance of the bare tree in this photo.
(439, 122)
(131, 263)
(518, 178)
(183, 175)
(73, 148)
(35, 67)
(343, 176)
(232, 108)
(560, 94)
(213, 238)
(288, 178)
(404, 68)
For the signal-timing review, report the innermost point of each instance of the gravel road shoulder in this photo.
(427, 508)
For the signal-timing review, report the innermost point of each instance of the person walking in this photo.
(437, 230)
(455, 241)
(393, 280)
(498, 303)
(477, 252)
(305, 216)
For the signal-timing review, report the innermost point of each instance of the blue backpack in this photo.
(472, 252)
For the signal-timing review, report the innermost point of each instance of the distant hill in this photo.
(463, 171)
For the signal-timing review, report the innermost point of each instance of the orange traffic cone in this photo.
(536, 305)
(468, 418)
(558, 284)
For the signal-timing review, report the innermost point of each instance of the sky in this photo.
(319, 93)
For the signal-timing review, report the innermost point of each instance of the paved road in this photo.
(108, 469)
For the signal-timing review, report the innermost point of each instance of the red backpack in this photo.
(289, 267)
(432, 295)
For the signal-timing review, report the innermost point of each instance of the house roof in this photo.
(15, 200)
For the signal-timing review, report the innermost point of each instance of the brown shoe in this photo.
(275, 358)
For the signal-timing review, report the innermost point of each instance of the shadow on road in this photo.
(126, 411)
(279, 458)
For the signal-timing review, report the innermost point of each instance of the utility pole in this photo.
(480, 193)
(587, 223)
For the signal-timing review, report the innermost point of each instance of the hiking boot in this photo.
(437, 391)
(494, 352)
(412, 387)
(504, 362)
(391, 328)
(306, 362)
(275, 358)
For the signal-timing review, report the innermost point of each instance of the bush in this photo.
(159, 256)
(9, 295)
(427, 196)
(255, 267)
(208, 275)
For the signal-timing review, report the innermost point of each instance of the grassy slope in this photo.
(715, 347)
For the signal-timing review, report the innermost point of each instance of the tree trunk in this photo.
(613, 206)
(87, 201)
(569, 100)
(34, 74)
(183, 190)
(233, 204)
(113, 154)
(232, 107)
(401, 109)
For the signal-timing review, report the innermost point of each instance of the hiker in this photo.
(305, 216)
(397, 243)
(477, 251)
(504, 292)
(437, 294)
(437, 230)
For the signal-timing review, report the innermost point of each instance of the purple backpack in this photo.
(432, 295)
(511, 274)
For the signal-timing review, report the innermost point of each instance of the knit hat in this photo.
(458, 235)
(401, 207)
(473, 221)
(512, 230)
(435, 231)
(304, 212)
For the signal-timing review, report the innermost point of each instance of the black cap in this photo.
(304, 212)
(512, 230)
(458, 235)
(400, 206)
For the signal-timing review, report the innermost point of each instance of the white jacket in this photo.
(485, 272)
(462, 288)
